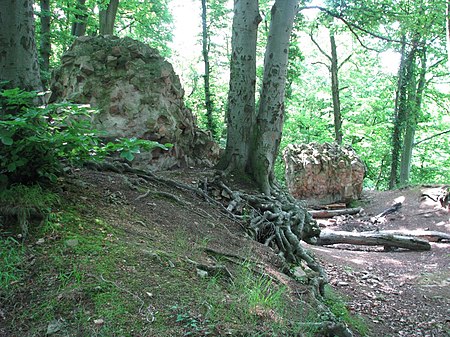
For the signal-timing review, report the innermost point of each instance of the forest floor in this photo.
(125, 256)
(402, 293)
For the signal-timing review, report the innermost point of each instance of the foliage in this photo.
(37, 140)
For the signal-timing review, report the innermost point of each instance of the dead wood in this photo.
(394, 208)
(373, 239)
(323, 214)
(431, 236)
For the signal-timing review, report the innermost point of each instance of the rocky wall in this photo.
(137, 94)
(323, 173)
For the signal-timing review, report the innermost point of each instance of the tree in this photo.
(334, 68)
(79, 24)
(107, 17)
(206, 77)
(18, 54)
(45, 48)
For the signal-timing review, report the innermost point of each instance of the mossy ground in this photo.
(107, 263)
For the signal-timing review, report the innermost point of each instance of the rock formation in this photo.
(323, 173)
(137, 94)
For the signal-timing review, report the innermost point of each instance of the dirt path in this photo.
(402, 293)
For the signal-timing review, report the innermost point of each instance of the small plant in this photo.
(21, 203)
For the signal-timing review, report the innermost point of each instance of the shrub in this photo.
(38, 140)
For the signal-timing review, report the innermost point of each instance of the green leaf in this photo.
(7, 140)
(127, 155)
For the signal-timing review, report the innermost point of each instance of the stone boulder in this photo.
(323, 173)
(137, 94)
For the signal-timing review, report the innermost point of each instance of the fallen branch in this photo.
(387, 240)
(322, 214)
(431, 236)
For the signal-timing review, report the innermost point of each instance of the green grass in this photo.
(11, 257)
(337, 306)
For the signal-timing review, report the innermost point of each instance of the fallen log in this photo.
(323, 214)
(431, 236)
(387, 240)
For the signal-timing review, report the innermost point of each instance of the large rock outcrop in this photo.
(323, 173)
(137, 94)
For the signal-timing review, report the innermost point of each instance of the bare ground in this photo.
(403, 293)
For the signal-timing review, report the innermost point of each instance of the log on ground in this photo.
(387, 240)
(323, 214)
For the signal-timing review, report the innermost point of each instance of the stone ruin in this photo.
(137, 94)
(323, 174)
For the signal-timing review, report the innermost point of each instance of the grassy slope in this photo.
(106, 264)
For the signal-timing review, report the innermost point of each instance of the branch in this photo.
(318, 47)
(433, 136)
(346, 60)
(322, 63)
(349, 24)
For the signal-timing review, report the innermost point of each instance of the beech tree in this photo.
(18, 54)
(253, 137)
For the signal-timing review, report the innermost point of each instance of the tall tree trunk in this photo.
(107, 17)
(398, 118)
(241, 98)
(208, 100)
(335, 90)
(46, 48)
(79, 24)
(18, 54)
(447, 29)
(269, 121)
(415, 104)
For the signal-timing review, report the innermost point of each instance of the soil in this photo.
(400, 293)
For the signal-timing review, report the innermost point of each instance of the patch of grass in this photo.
(20, 202)
(338, 307)
(11, 256)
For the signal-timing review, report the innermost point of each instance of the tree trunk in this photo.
(398, 119)
(372, 239)
(334, 69)
(107, 17)
(18, 54)
(269, 122)
(241, 97)
(45, 50)
(415, 104)
(447, 30)
(79, 24)
(208, 100)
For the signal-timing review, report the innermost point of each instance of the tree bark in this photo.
(18, 54)
(447, 31)
(415, 103)
(107, 17)
(334, 69)
(372, 239)
(208, 99)
(79, 24)
(241, 97)
(45, 49)
(269, 121)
